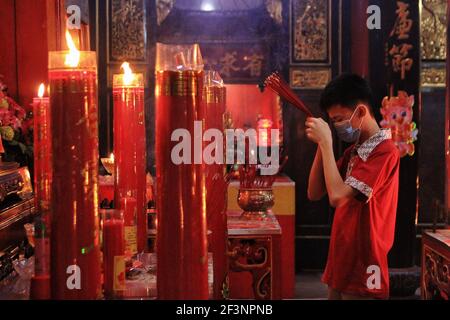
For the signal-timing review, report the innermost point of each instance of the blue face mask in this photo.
(346, 132)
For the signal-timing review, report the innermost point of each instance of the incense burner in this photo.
(255, 202)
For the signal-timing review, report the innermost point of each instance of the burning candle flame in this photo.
(128, 75)
(41, 91)
(73, 57)
(111, 157)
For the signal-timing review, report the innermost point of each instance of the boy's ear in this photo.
(362, 110)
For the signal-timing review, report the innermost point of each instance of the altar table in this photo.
(436, 265)
(284, 211)
(254, 252)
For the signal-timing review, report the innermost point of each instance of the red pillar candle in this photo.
(130, 146)
(142, 217)
(75, 256)
(129, 207)
(141, 169)
(181, 246)
(113, 253)
(40, 284)
(42, 151)
(216, 188)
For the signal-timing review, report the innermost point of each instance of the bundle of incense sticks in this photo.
(279, 86)
(216, 202)
(250, 179)
(218, 189)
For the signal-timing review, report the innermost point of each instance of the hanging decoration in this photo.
(397, 115)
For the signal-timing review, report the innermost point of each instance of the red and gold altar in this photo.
(157, 150)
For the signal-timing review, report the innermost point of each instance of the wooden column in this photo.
(29, 29)
(55, 25)
(386, 80)
(432, 152)
(32, 53)
(447, 129)
(8, 45)
(359, 38)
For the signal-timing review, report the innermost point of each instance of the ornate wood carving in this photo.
(436, 275)
(309, 78)
(236, 63)
(433, 42)
(253, 255)
(128, 30)
(433, 77)
(433, 23)
(310, 21)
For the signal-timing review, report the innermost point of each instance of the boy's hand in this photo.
(318, 131)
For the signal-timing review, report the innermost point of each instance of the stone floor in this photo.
(309, 287)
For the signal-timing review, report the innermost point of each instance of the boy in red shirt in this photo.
(362, 186)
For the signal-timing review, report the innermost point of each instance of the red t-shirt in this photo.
(363, 228)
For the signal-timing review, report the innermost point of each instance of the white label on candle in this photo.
(236, 142)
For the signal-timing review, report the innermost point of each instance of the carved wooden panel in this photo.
(433, 23)
(433, 45)
(433, 42)
(433, 76)
(253, 255)
(309, 78)
(236, 63)
(436, 275)
(127, 30)
(310, 31)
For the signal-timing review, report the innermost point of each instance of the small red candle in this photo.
(129, 207)
(130, 146)
(75, 256)
(40, 288)
(113, 253)
(42, 151)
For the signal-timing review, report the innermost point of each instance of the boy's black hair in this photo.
(347, 90)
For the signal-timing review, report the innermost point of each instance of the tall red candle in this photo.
(75, 256)
(42, 152)
(216, 188)
(181, 195)
(40, 284)
(130, 146)
(141, 169)
(113, 253)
